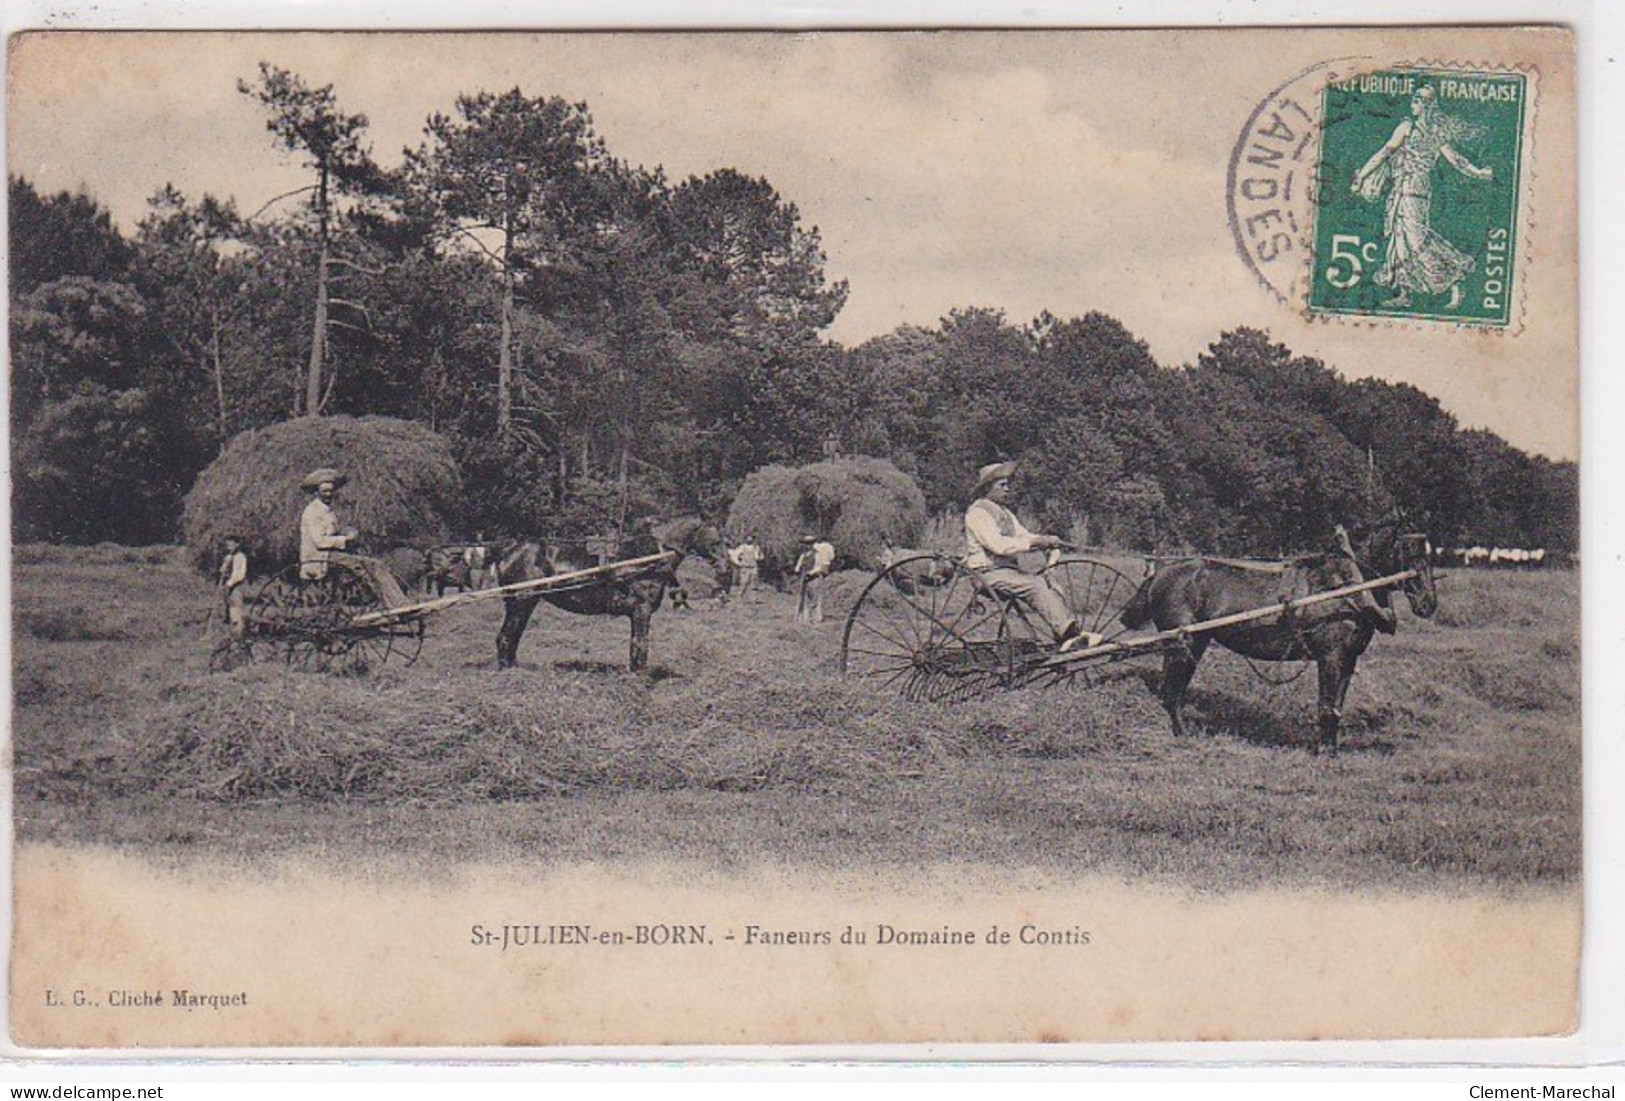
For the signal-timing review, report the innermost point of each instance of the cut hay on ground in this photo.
(856, 503)
(404, 488)
(744, 744)
(254, 737)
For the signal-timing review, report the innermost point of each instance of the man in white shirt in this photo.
(233, 573)
(993, 539)
(322, 541)
(319, 531)
(816, 561)
(747, 561)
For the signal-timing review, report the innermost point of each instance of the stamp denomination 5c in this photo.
(1416, 204)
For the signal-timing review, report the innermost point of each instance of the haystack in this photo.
(856, 503)
(403, 488)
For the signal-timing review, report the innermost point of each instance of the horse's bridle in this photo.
(1413, 551)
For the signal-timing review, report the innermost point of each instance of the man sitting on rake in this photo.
(993, 539)
(322, 541)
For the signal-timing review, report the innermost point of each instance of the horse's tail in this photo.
(1140, 607)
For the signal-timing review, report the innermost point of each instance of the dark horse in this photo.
(635, 596)
(1333, 633)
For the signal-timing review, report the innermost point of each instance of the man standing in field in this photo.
(747, 560)
(816, 561)
(993, 539)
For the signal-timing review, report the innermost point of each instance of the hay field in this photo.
(744, 745)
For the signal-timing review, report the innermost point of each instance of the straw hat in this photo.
(317, 477)
(991, 473)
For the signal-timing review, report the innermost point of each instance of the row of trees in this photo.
(594, 338)
(1250, 450)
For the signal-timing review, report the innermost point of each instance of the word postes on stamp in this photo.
(1416, 198)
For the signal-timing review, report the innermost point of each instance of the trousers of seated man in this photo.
(1035, 592)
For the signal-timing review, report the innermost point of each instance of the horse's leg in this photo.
(515, 615)
(1178, 667)
(1335, 669)
(1350, 658)
(640, 616)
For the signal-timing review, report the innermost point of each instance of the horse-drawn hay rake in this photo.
(339, 622)
(931, 628)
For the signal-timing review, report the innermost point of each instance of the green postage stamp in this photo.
(1416, 209)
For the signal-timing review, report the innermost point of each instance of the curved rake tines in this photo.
(930, 629)
(350, 594)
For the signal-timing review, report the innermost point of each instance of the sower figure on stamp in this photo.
(322, 542)
(993, 539)
(1415, 257)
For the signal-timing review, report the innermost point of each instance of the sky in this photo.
(1066, 171)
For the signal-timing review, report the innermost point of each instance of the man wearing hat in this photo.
(746, 559)
(322, 541)
(319, 531)
(993, 539)
(816, 561)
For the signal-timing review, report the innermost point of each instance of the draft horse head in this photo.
(1387, 548)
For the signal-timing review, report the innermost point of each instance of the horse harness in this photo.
(1290, 617)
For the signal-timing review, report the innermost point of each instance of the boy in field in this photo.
(233, 574)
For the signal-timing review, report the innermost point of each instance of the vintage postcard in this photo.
(523, 541)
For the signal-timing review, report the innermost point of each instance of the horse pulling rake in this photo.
(932, 628)
(341, 623)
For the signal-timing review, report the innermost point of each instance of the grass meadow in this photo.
(743, 744)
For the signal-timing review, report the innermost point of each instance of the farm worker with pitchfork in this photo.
(993, 538)
(320, 537)
(817, 559)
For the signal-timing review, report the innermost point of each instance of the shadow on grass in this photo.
(74, 624)
(614, 669)
(1213, 713)
(1218, 714)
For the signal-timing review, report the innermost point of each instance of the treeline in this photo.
(1250, 450)
(596, 341)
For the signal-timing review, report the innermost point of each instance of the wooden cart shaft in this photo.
(1280, 611)
(538, 586)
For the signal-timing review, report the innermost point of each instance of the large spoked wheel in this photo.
(309, 623)
(1096, 592)
(931, 629)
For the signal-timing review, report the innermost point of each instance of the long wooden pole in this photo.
(1283, 609)
(537, 584)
